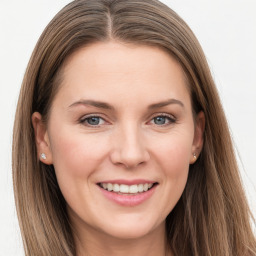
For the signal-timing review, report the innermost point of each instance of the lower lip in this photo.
(128, 200)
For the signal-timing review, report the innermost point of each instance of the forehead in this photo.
(104, 69)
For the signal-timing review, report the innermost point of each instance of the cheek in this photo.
(76, 157)
(174, 152)
(173, 158)
(75, 154)
(175, 165)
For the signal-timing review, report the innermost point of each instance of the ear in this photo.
(42, 139)
(198, 137)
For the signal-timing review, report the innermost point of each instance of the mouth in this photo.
(125, 189)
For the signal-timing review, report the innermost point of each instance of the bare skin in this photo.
(122, 115)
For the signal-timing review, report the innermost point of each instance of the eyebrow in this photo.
(97, 104)
(103, 105)
(165, 103)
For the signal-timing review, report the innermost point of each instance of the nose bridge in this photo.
(130, 147)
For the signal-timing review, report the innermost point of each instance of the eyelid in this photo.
(164, 114)
(82, 120)
(171, 117)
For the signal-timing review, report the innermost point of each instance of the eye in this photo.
(93, 121)
(162, 120)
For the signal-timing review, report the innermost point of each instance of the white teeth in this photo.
(140, 187)
(122, 188)
(116, 188)
(110, 187)
(145, 187)
(133, 189)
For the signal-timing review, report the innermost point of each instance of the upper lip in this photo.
(128, 182)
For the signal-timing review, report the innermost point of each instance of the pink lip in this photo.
(126, 199)
(128, 182)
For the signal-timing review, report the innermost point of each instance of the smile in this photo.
(128, 193)
(126, 189)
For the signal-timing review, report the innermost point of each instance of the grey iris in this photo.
(159, 120)
(93, 120)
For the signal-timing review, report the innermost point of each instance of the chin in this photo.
(132, 229)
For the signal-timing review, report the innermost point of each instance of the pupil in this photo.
(159, 120)
(94, 120)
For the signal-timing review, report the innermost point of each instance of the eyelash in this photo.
(171, 120)
(85, 119)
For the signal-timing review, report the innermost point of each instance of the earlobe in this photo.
(41, 138)
(198, 137)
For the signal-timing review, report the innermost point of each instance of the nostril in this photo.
(128, 146)
(129, 157)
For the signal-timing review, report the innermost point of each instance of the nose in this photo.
(128, 148)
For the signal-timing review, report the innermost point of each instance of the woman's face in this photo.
(122, 121)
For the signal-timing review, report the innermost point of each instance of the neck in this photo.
(93, 242)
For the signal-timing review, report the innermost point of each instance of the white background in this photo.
(226, 30)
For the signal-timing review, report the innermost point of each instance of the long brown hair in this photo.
(212, 217)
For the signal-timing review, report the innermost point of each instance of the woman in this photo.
(124, 147)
